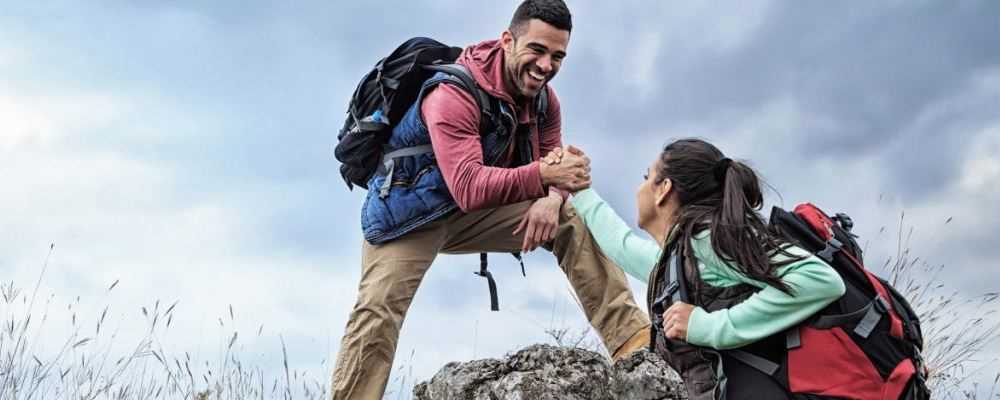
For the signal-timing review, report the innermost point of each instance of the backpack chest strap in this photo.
(867, 318)
(388, 164)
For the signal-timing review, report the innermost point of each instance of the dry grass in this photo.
(93, 363)
(563, 335)
(957, 326)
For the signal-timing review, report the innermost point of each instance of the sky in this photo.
(185, 150)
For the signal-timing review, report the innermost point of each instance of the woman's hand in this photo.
(554, 157)
(675, 320)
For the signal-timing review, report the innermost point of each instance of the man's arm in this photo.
(452, 119)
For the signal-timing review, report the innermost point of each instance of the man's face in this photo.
(533, 58)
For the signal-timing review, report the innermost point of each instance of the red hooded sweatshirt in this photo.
(452, 119)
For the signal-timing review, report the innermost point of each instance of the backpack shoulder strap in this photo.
(676, 276)
(542, 107)
(459, 74)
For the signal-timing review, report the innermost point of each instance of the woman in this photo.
(700, 205)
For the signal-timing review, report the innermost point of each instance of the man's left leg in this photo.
(598, 282)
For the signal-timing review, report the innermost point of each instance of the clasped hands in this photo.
(564, 169)
(568, 169)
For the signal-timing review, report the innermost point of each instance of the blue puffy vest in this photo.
(409, 191)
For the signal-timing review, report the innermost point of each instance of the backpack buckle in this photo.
(845, 221)
(673, 288)
(832, 246)
(660, 303)
(881, 305)
(876, 310)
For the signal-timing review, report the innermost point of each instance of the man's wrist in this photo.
(542, 169)
(554, 199)
(563, 195)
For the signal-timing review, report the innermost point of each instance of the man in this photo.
(455, 202)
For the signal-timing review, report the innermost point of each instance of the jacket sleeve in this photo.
(452, 119)
(813, 283)
(633, 254)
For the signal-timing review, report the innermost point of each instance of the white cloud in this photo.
(11, 55)
(642, 65)
(34, 120)
(981, 169)
(115, 216)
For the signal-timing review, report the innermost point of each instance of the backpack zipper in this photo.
(406, 183)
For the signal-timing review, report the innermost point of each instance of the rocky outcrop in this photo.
(543, 372)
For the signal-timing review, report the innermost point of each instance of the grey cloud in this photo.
(869, 71)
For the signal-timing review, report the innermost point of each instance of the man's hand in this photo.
(568, 170)
(540, 222)
(675, 321)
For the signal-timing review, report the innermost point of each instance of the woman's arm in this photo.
(635, 255)
(813, 283)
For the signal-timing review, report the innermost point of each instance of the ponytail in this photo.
(724, 197)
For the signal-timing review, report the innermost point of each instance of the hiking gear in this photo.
(494, 301)
(377, 127)
(391, 274)
(385, 145)
(379, 102)
(864, 346)
(734, 327)
(452, 118)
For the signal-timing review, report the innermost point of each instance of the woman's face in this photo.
(657, 206)
(646, 197)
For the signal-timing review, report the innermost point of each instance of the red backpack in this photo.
(865, 346)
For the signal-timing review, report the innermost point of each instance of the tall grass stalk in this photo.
(957, 326)
(93, 362)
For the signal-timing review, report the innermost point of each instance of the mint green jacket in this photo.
(814, 283)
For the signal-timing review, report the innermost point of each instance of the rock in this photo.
(543, 372)
(646, 376)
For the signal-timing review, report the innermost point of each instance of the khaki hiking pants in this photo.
(391, 273)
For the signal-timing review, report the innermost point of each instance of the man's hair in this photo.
(552, 12)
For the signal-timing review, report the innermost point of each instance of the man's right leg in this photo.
(391, 273)
(598, 282)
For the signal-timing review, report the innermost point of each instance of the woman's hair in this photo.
(723, 196)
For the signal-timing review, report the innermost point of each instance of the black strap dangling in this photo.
(483, 272)
(520, 259)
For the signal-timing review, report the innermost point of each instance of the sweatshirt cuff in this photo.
(531, 181)
(586, 198)
(699, 327)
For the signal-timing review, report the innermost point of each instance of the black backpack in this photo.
(381, 99)
(386, 93)
(866, 345)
